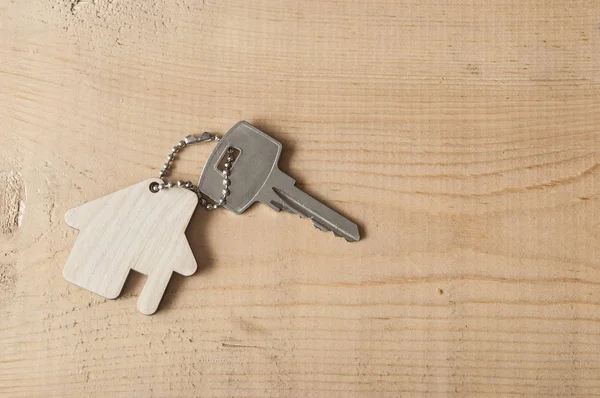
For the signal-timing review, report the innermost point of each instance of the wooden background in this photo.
(463, 136)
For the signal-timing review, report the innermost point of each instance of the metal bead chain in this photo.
(226, 182)
(188, 184)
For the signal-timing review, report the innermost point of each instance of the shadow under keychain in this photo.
(142, 227)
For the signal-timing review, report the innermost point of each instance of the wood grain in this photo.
(462, 135)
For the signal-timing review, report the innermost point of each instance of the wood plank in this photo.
(462, 136)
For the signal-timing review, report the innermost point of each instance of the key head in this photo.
(256, 159)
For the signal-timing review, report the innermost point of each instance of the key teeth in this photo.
(317, 225)
(323, 228)
(336, 234)
(275, 205)
(320, 226)
(342, 236)
(283, 206)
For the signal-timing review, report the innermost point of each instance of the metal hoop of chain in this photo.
(190, 139)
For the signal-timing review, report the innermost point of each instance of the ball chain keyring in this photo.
(190, 139)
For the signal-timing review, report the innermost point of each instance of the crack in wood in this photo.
(12, 202)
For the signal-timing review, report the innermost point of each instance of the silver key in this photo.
(255, 177)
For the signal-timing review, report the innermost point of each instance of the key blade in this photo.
(294, 200)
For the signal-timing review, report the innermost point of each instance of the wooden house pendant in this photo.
(132, 229)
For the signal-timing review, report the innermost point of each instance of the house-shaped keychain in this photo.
(137, 229)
